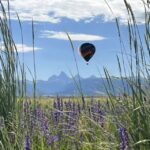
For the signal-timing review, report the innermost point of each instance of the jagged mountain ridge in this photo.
(63, 85)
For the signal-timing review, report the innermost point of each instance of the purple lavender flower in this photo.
(101, 118)
(27, 143)
(45, 129)
(124, 138)
(54, 139)
(51, 140)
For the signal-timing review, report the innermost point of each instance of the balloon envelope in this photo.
(87, 51)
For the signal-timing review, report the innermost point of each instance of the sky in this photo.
(85, 20)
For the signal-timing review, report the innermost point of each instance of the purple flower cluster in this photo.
(124, 138)
(65, 115)
(27, 145)
(96, 113)
(36, 123)
(54, 124)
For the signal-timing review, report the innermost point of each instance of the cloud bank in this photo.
(21, 48)
(24, 48)
(86, 10)
(73, 36)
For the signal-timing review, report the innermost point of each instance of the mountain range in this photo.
(64, 85)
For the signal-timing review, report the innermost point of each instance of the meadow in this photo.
(77, 123)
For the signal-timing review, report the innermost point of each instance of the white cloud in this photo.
(24, 48)
(54, 10)
(21, 48)
(73, 36)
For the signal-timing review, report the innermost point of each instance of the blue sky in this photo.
(84, 20)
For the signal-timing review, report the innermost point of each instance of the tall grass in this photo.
(77, 83)
(9, 67)
(11, 75)
(135, 72)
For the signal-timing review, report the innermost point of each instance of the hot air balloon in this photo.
(87, 51)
